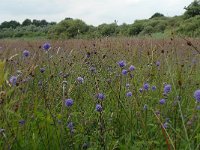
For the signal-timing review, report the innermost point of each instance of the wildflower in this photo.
(153, 88)
(26, 53)
(42, 70)
(80, 79)
(100, 96)
(93, 69)
(141, 90)
(99, 108)
(167, 88)
(13, 80)
(162, 101)
(165, 125)
(129, 94)
(70, 126)
(158, 63)
(145, 107)
(197, 95)
(132, 68)
(46, 46)
(122, 63)
(69, 102)
(124, 72)
(22, 122)
(198, 107)
(146, 86)
(127, 85)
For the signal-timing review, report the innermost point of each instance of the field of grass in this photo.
(112, 93)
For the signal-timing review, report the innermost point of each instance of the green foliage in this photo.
(68, 28)
(193, 9)
(107, 29)
(156, 15)
(190, 27)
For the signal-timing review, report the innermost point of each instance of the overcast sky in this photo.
(93, 12)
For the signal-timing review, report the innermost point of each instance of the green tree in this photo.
(26, 22)
(193, 9)
(156, 15)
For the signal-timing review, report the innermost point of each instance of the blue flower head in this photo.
(13, 80)
(122, 63)
(162, 101)
(167, 88)
(80, 79)
(132, 68)
(100, 96)
(26, 53)
(69, 102)
(146, 86)
(197, 95)
(153, 88)
(124, 72)
(129, 94)
(46, 46)
(99, 108)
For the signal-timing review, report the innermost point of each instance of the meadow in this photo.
(109, 93)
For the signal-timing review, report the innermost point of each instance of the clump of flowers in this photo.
(69, 102)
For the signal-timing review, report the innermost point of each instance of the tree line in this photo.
(187, 24)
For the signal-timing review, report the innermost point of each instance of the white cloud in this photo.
(91, 11)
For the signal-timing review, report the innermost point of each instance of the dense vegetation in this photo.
(110, 93)
(187, 24)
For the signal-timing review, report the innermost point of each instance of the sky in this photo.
(93, 12)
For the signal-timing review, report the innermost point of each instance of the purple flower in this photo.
(167, 88)
(99, 108)
(69, 102)
(26, 53)
(13, 80)
(132, 68)
(145, 107)
(100, 96)
(197, 95)
(146, 86)
(165, 125)
(80, 79)
(121, 63)
(22, 122)
(93, 69)
(70, 126)
(127, 85)
(162, 101)
(46, 46)
(153, 88)
(158, 63)
(42, 70)
(129, 94)
(124, 72)
(198, 107)
(141, 90)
